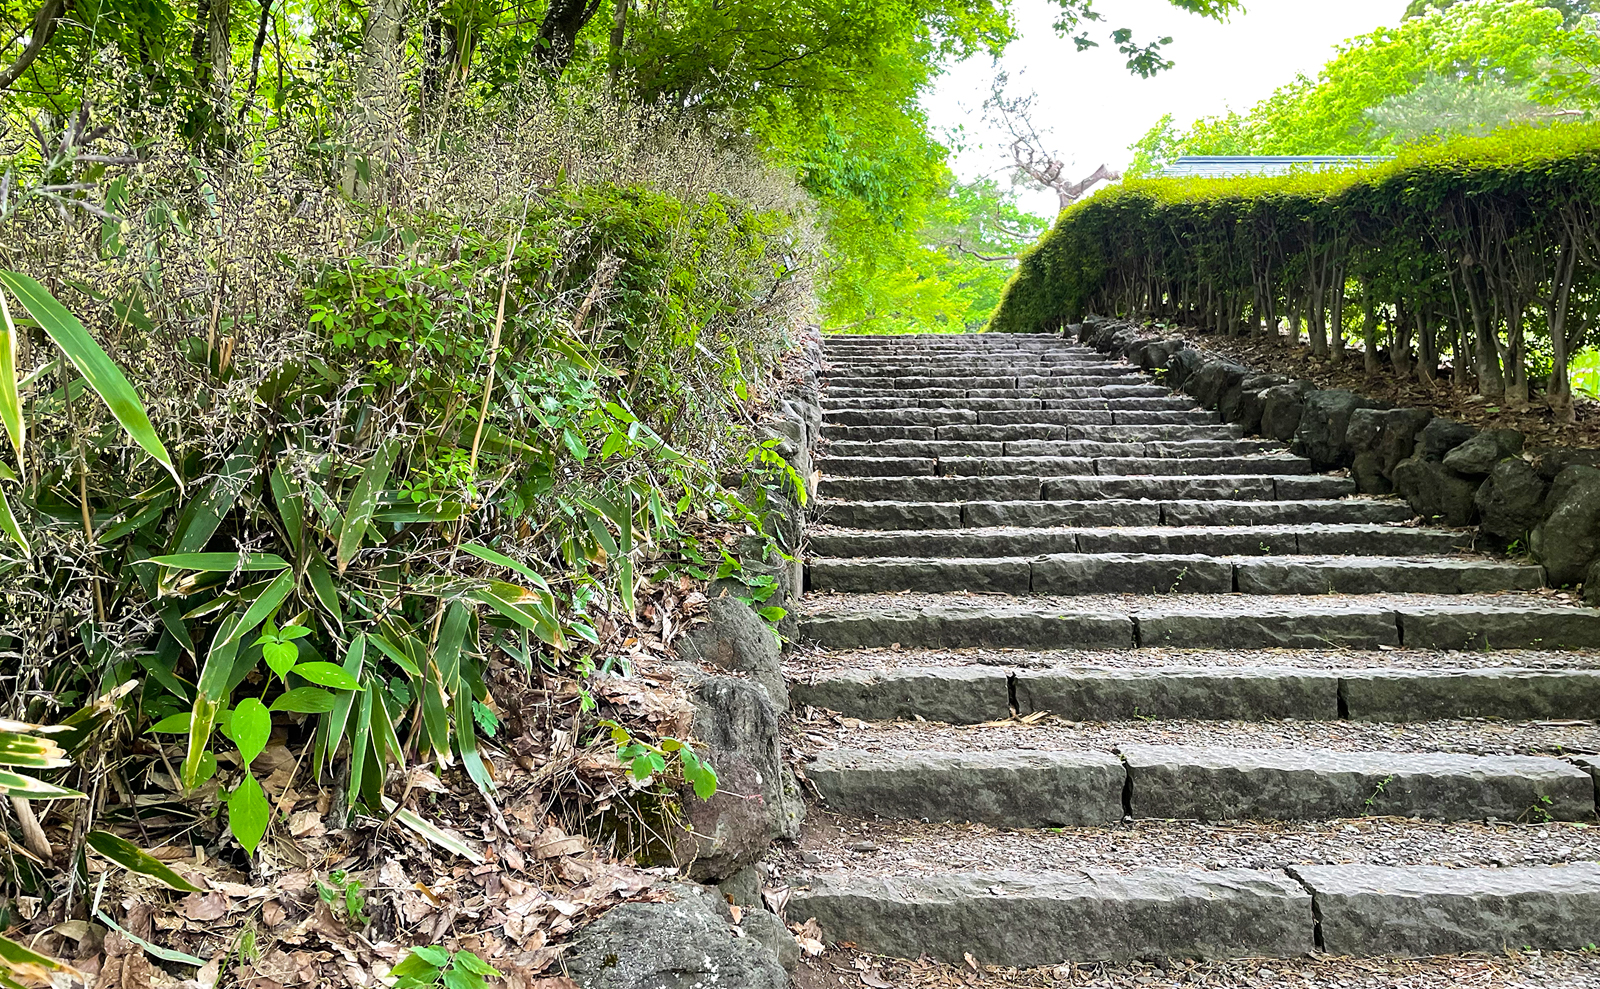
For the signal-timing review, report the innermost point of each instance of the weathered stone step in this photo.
(1326, 540)
(887, 374)
(1052, 392)
(1069, 377)
(993, 432)
(1062, 466)
(1026, 488)
(1111, 512)
(979, 694)
(1091, 402)
(1159, 573)
(938, 449)
(1028, 919)
(1042, 787)
(1237, 622)
(1111, 416)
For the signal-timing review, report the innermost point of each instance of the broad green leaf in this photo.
(304, 700)
(220, 562)
(135, 859)
(490, 556)
(400, 656)
(455, 978)
(280, 657)
(322, 585)
(8, 522)
(175, 724)
(326, 674)
(28, 788)
(472, 963)
(435, 717)
(10, 398)
(210, 693)
(251, 728)
(203, 513)
(447, 654)
(248, 813)
(97, 368)
(364, 500)
(291, 506)
(360, 742)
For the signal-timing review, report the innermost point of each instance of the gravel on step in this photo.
(910, 848)
(1463, 737)
(824, 602)
(1513, 970)
(809, 664)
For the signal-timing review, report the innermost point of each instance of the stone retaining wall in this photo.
(1545, 501)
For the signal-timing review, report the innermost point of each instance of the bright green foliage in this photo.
(428, 966)
(1475, 248)
(1465, 69)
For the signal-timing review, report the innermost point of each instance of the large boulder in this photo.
(757, 800)
(1478, 455)
(1434, 491)
(1214, 377)
(1181, 365)
(1154, 353)
(1324, 418)
(1511, 501)
(1249, 407)
(1440, 436)
(1398, 438)
(1377, 440)
(1568, 540)
(734, 637)
(1281, 408)
(688, 943)
(1552, 460)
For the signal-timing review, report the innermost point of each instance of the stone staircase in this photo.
(1089, 676)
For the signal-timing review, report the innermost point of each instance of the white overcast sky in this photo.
(1093, 109)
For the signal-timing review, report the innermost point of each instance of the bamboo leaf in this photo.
(28, 788)
(135, 859)
(263, 606)
(203, 513)
(97, 368)
(8, 522)
(449, 841)
(304, 700)
(338, 719)
(210, 692)
(490, 556)
(447, 654)
(291, 506)
(220, 562)
(31, 751)
(364, 500)
(322, 585)
(10, 398)
(28, 964)
(467, 740)
(360, 742)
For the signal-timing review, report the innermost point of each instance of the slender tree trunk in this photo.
(380, 113)
(1400, 341)
(1427, 350)
(619, 35)
(1369, 328)
(1486, 349)
(1336, 330)
(1516, 357)
(1558, 390)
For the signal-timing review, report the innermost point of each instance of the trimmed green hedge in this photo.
(1480, 255)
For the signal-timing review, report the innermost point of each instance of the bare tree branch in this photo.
(1029, 151)
(39, 35)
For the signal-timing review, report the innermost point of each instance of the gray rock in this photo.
(1434, 491)
(1218, 784)
(1006, 788)
(1231, 405)
(743, 887)
(1479, 454)
(1437, 695)
(1568, 540)
(1440, 436)
(1378, 440)
(1591, 585)
(1398, 438)
(1281, 409)
(1552, 460)
(1207, 384)
(685, 944)
(766, 928)
(734, 637)
(1430, 910)
(1022, 919)
(1511, 501)
(1182, 364)
(1324, 419)
(1366, 469)
(757, 801)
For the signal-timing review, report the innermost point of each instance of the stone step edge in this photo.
(968, 695)
(1091, 787)
(1045, 918)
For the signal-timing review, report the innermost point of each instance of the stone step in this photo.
(1031, 488)
(1093, 402)
(1021, 417)
(1324, 540)
(1239, 622)
(837, 467)
(976, 694)
(994, 432)
(1068, 378)
(888, 374)
(1037, 918)
(1159, 573)
(1049, 787)
(939, 449)
(900, 515)
(1051, 392)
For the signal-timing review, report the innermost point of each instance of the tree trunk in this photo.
(40, 31)
(558, 32)
(1427, 350)
(1486, 348)
(1558, 391)
(378, 99)
(1400, 341)
(1336, 330)
(1369, 328)
(619, 35)
(1516, 357)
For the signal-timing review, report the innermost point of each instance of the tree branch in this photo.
(43, 29)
